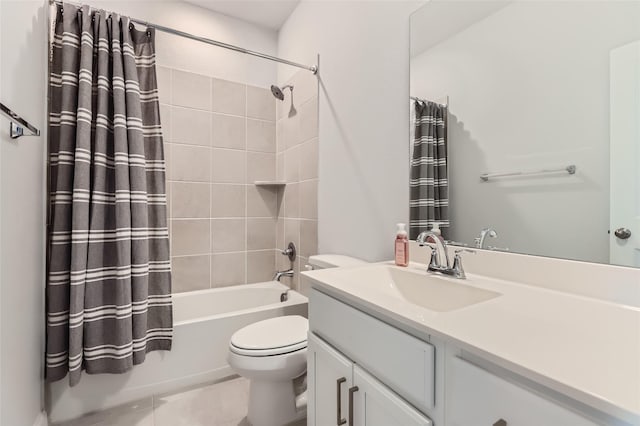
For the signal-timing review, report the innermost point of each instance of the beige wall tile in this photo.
(261, 202)
(260, 166)
(280, 243)
(168, 193)
(260, 266)
(190, 200)
(308, 114)
(228, 200)
(309, 160)
(164, 84)
(303, 283)
(280, 129)
(189, 273)
(229, 97)
(228, 235)
(165, 122)
(290, 131)
(292, 164)
(280, 201)
(309, 199)
(292, 232)
(190, 236)
(229, 131)
(228, 269)
(190, 90)
(308, 238)
(292, 200)
(228, 166)
(280, 166)
(190, 126)
(260, 104)
(261, 135)
(190, 163)
(282, 264)
(167, 161)
(261, 234)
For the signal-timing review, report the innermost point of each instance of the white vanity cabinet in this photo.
(476, 397)
(341, 393)
(363, 367)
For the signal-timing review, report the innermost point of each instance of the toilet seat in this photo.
(274, 336)
(268, 352)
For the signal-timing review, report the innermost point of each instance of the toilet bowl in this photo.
(271, 354)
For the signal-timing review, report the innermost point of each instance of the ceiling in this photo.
(438, 20)
(271, 14)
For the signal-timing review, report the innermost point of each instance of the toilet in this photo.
(272, 354)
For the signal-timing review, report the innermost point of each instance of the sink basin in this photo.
(434, 292)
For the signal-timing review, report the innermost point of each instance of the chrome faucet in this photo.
(280, 274)
(486, 232)
(439, 253)
(439, 262)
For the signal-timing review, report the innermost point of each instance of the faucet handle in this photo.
(433, 259)
(458, 270)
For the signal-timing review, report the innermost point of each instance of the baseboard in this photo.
(41, 420)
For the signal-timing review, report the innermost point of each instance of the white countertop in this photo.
(582, 347)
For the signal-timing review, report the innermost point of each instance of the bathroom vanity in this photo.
(398, 346)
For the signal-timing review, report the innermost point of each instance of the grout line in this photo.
(246, 193)
(261, 250)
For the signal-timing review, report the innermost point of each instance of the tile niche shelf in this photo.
(272, 183)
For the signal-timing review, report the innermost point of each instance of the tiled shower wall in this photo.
(220, 137)
(297, 164)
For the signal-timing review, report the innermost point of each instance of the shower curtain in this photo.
(108, 273)
(429, 186)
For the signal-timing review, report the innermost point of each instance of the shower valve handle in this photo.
(290, 252)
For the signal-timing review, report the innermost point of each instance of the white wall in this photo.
(528, 88)
(180, 53)
(23, 58)
(363, 125)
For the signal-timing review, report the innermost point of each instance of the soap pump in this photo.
(402, 245)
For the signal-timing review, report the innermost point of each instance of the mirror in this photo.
(526, 133)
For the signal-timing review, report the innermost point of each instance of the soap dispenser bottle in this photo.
(402, 246)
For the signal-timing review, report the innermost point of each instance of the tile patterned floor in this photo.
(220, 404)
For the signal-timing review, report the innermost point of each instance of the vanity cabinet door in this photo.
(476, 397)
(329, 376)
(374, 404)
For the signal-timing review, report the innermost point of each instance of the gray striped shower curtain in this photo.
(108, 273)
(429, 185)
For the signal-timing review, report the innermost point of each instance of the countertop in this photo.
(585, 348)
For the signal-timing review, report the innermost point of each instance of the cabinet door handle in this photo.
(500, 422)
(339, 419)
(352, 390)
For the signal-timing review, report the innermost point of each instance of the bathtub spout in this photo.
(280, 274)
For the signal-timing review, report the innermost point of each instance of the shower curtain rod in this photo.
(312, 68)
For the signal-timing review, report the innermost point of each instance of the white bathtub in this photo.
(203, 324)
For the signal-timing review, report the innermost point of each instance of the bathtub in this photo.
(203, 324)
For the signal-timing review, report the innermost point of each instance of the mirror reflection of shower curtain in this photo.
(429, 187)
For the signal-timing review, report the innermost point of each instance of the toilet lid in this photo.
(285, 333)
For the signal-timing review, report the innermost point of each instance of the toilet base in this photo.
(273, 403)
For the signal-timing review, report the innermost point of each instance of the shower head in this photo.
(277, 91)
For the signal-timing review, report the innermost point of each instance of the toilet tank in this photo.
(324, 261)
